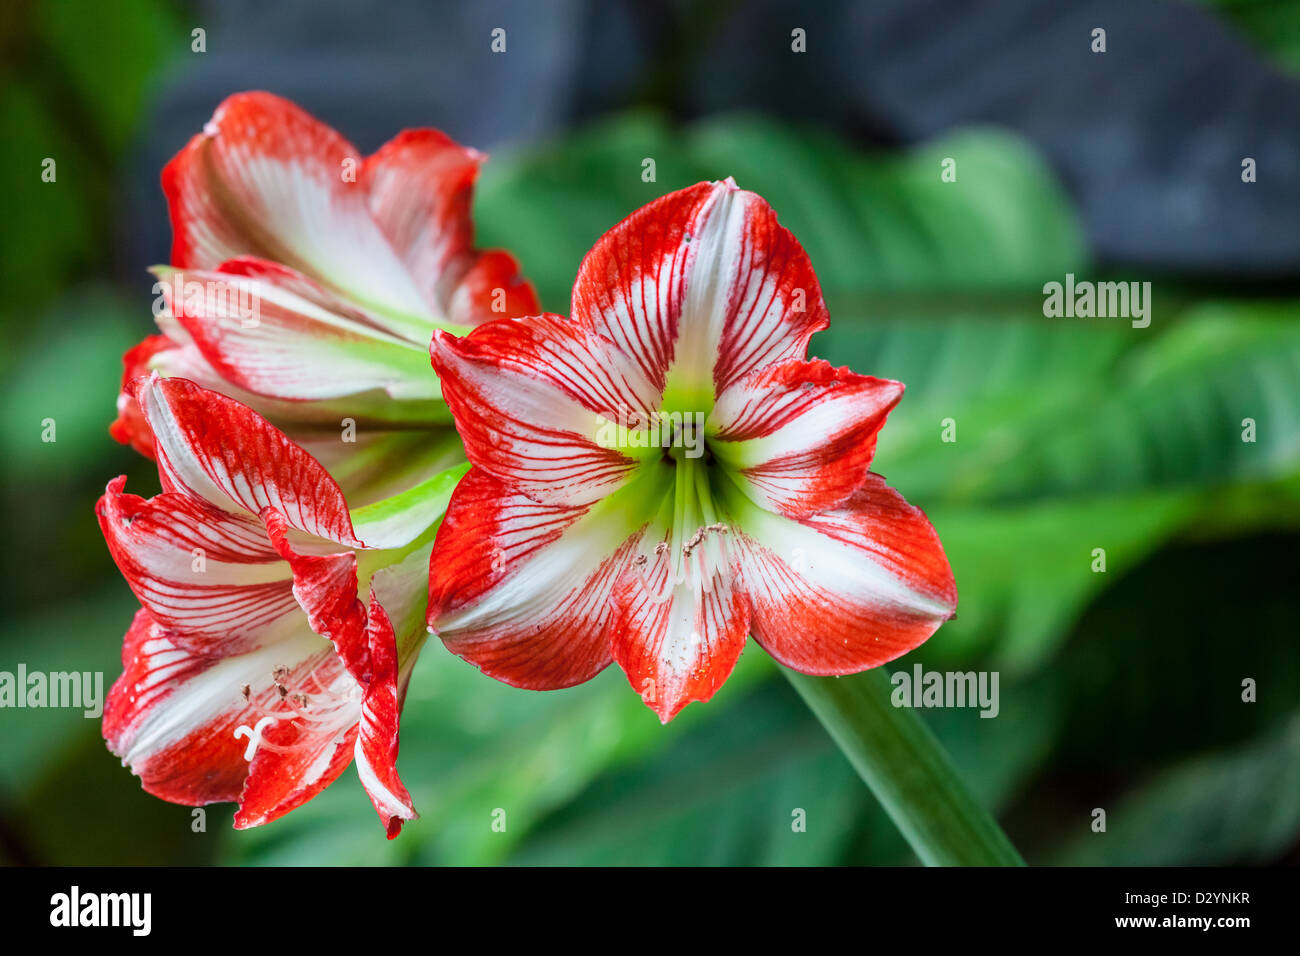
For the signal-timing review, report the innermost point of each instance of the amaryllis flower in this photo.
(666, 473)
(257, 669)
(306, 280)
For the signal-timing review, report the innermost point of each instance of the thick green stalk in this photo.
(906, 768)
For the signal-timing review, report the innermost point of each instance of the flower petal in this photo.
(300, 758)
(272, 339)
(377, 738)
(172, 716)
(267, 179)
(530, 397)
(677, 643)
(399, 600)
(215, 448)
(492, 287)
(129, 427)
(326, 588)
(522, 590)
(324, 419)
(208, 574)
(800, 435)
(846, 590)
(420, 185)
(701, 287)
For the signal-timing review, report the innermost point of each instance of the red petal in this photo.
(528, 396)
(306, 422)
(222, 600)
(130, 428)
(492, 288)
(376, 746)
(181, 761)
(267, 179)
(214, 448)
(174, 716)
(522, 590)
(289, 280)
(681, 647)
(275, 333)
(801, 434)
(326, 588)
(420, 185)
(704, 282)
(849, 589)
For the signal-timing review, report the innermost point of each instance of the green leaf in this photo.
(889, 222)
(1040, 409)
(882, 222)
(1240, 806)
(46, 234)
(758, 784)
(80, 341)
(1155, 666)
(107, 90)
(727, 791)
(1025, 572)
(1071, 438)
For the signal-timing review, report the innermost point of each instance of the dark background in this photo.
(1119, 691)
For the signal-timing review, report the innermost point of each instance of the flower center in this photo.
(695, 552)
(312, 704)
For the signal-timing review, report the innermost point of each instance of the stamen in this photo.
(695, 552)
(714, 544)
(330, 709)
(254, 735)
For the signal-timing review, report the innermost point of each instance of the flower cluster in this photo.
(304, 451)
(650, 481)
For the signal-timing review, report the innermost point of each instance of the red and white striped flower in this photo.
(666, 473)
(257, 669)
(305, 455)
(306, 280)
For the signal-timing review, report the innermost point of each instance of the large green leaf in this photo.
(729, 791)
(45, 234)
(883, 222)
(758, 784)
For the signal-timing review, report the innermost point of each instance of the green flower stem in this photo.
(906, 768)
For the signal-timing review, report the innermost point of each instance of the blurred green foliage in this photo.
(1273, 25)
(1119, 690)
